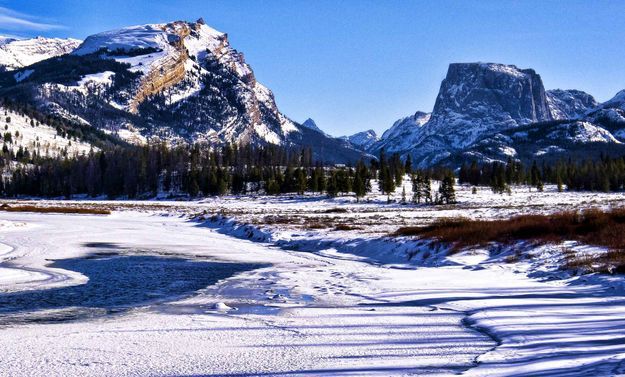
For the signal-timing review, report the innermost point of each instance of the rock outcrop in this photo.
(477, 98)
(166, 72)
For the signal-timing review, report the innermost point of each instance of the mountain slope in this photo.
(402, 135)
(583, 133)
(310, 124)
(363, 140)
(24, 134)
(543, 141)
(179, 82)
(19, 53)
(569, 104)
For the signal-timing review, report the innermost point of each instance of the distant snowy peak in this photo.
(18, 53)
(5, 40)
(569, 104)
(406, 125)
(362, 140)
(475, 100)
(311, 125)
(618, 101)
(610, 115)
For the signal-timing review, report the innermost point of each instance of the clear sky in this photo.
(360, 64)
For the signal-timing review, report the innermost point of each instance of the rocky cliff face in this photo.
(475, 100)
(168, 71)
(583, 129)
(18, 53)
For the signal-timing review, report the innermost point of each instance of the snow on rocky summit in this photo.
(18, 53)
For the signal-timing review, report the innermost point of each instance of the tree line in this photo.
(141, 172)
(604, 174)
(197, 170)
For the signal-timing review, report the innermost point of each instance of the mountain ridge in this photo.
(17, 53)
(480, 104)
(178, 81)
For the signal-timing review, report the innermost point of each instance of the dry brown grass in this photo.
(336, 210)
(279, 219)
(346, 227)
(611, 262)
(315, 225)
(593, 227)
(71, 210)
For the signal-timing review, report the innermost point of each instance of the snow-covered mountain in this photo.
(569, 104)
(489, 111)
(311, 125)
(179, 81)
(19, 53)
(582, 133)
(402, 134)
(555, 140)
(610, 115)
(475, 100)
(362, 140)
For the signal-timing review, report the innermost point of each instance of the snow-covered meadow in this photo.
(299, 286)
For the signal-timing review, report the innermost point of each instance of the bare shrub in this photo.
(72, 210)
(346, 227)
(336, 210)
(593, 227)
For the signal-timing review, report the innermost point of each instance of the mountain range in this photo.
(493, 112)
(182, 82)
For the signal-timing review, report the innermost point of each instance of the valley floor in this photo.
(151, 290)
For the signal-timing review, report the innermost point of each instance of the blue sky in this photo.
(355, 65)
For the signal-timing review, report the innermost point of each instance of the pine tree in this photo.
(361, 178)
(559, 182)
(332, 187)
(446, 191)
(408, 165)
(388, 183)
(403, 195)
(417, 187)
(427, 188)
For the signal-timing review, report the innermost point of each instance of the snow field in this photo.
(326, 302)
